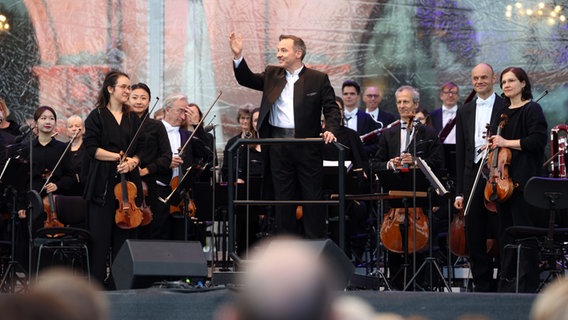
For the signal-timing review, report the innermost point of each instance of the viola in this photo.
(128, 215)
(51, 220)
(499, 186)
(391, 234)
(147, 214)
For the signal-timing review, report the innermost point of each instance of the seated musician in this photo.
(396, 150)
(357, 211)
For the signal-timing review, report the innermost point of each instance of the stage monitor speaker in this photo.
(140, 263)
(341, 267)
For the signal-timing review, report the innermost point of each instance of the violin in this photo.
(147, 214)
(128, 215)
(179, 208)
(391, 234)
(499, 186)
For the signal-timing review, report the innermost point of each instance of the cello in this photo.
(391, 235)
(147, 214)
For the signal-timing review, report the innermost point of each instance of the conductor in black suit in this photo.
(293, 99)
(471, 121)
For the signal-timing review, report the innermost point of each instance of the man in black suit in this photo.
(396, 144)
(293, 99)
(356, 119)
(372, 98)
(471, 123)
(396, 149)
(443, 120)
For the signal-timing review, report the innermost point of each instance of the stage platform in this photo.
(200, 304)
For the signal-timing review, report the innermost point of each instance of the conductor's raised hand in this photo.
(236, 44)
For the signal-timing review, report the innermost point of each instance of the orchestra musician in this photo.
(46, 152)
(156, 155)
(76, 128)
(202, 148)
(109, 129)
(357, 211)
(176, 111)
(471, 121)
(356, 119)
(525, 135)
(396, 147)
(243, 118)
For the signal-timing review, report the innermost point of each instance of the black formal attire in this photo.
(155, 156)
(383, 118)
(528, 124)
(295, 167)
(480, 223)
(13, 128)
(163, 223)
(428, 148)
(103, 131)
(356, 182)
(366, 124)
(44, 159)
(449, 148)
(77, 157)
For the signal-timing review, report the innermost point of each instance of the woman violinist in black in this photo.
(525, 134)
(109, 130)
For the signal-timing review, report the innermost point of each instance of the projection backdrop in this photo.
(56, 52)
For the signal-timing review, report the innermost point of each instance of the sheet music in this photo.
(440, 189)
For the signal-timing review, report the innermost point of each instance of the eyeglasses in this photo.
(123, 87)
(455, 93)
(372, 96)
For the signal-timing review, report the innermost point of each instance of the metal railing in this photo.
(231, 185)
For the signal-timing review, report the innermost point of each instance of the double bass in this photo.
(391, 235)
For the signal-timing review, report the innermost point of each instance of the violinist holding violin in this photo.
(46, 151)
(110, 130)
(471, 122)
(176, 111)
(525, 135)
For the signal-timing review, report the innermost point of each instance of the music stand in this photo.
(181, 193)
(441, 191)
(11, 184)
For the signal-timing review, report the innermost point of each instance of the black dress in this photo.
(103, 131)
(528, 124)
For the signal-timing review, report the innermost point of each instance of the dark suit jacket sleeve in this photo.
(460, 148)
(247, 78)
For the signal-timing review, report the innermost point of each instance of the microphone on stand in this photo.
(211, 125)
(24, 132)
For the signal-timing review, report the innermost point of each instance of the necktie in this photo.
(347, 121)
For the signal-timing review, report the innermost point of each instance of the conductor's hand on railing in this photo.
(328, 137)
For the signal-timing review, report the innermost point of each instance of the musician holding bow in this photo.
(397, 145)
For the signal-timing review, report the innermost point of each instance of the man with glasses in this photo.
(372, 97)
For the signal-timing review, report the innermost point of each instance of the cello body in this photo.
(392, 234)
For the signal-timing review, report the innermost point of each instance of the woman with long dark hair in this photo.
(109, 130)
(524, 133)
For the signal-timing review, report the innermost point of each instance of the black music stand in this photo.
(11, 185)
(441, 191)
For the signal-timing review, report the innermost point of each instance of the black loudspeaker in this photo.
(341, 267)
(140, 263)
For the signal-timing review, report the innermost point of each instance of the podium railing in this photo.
(231, 182)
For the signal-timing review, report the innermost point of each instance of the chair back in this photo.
(71, 210)
(541, 191)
